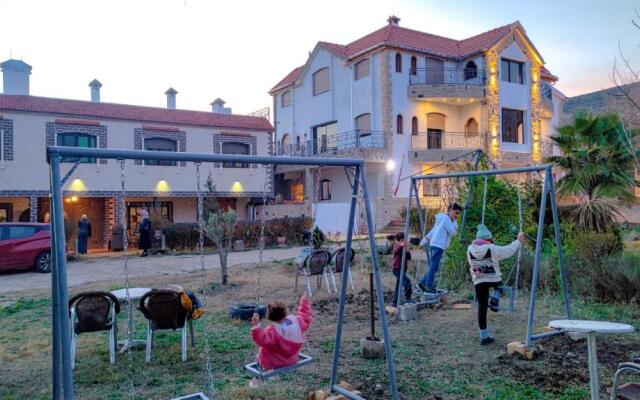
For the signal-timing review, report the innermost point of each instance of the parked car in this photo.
(25, 245)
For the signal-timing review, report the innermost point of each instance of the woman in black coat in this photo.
(144, 233)
(84, 233)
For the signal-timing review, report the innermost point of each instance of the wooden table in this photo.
(592, 328)
(134, 294)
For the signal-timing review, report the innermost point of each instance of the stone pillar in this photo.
(33, 209)
(117, 212)
(386, 89)
(493, 105)
(536, 114)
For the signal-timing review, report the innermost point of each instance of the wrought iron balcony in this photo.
(357, 139)
(291, 150)
(437, 76)
(436, 140)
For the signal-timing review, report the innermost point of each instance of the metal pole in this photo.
(463, 174)
(423, 227)
(345, 279)
(373, 318)
(55, 308)
(561, 260)
(379, 291)
(61, 261)
(536, 262)
(400, 298)
(467, 202)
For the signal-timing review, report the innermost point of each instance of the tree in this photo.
(598, 169)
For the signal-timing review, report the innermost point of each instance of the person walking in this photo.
(84, 233)
(438, 240)
(144, 233)
(396, 268)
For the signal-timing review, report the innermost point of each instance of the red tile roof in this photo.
(546, 75)
(79, 108)
(399, 37)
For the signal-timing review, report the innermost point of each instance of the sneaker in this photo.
(486, 341)
(431, 291)
(422, 287)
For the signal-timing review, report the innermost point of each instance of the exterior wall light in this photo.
(237, 187)
(77, 185)
(162, 186)
(391, 165)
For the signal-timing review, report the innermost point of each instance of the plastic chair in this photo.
(94, 312)
(315, 264)
(630, 391)
(164, 311)
(337, 265)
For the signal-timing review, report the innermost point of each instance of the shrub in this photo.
(414, 218)
(182, 236)
(318, 238)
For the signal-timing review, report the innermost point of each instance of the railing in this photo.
(448, 140)
(292, 150)
(263, 112)
(358, 139)
(461, 76)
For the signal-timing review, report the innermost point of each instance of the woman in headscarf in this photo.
(144, 232)
(84, 233)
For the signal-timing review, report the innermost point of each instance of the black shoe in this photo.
(486, 341)
(422, 287)
(431, 291)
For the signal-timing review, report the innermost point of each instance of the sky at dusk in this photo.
(238, 50)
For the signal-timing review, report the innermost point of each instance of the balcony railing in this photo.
(448, 140)
(461, 76)
(332, 144)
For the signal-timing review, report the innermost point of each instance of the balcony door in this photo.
(323, 137)
(435, 130)
(434, 70)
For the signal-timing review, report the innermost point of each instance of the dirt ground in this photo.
(437, 356)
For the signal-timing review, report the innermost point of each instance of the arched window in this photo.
(159, 144)
(285, 99)
(399, 125)
(321, 81)
(363, 124)
(325, 189)
(414, 65)
(471, 127)
(470, 71)
(362, 69)
(235, 148)
(398, 62)
(414, 125)
(286, 139)
(73, 139)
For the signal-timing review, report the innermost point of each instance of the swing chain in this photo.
(207, 356)
(261, 237)
(484, 199)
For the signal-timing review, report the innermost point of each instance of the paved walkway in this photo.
(110, 269)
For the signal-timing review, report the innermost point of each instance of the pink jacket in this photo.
(277, 351)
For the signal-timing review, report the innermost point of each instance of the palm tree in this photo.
(598, 169)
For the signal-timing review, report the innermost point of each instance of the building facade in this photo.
(408, 101)
(28, 124)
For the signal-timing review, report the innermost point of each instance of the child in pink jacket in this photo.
(280, 342)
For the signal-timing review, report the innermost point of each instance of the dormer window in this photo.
(285, 99)
(362, 69)
(321, 81)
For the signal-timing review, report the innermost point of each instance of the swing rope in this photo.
(261, 238)
(484, 199)
(212, 390)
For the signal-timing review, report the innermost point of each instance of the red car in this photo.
(24, 245)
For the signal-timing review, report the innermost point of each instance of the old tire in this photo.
(43, 262)
(244, 311)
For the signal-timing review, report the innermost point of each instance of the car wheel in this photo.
(43, 262)
(244, 311)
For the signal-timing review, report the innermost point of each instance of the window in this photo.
(285, 99)
(470, 71)
(20, 232)
(6, 212)
(159, 144)
(164, 208)
(77, 140)
(398, 62)
(414, 65)
(512, 126)
(362, 69)
(321, 135)
(471, 127)
(512, 71)
(235, 148)
(321, 81)
(363, 124)
(325, 189)
(431, 187)
(414, 126)
(399, 123)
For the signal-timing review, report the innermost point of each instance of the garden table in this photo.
(134, 294)
(591, 328)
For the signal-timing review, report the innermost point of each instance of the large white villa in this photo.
(406, 101)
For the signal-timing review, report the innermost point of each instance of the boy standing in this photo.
(396, 268)
(439, 238)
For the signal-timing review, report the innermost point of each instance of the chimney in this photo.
(95, 86)
(217, 107)
(393, 20)
(171, 98)
(15, 77)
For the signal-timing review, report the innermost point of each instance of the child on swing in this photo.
(281, 341)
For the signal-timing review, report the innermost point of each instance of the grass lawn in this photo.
(437, 356)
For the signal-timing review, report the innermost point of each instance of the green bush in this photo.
(318, 238)
(182, 236)
(414, 219)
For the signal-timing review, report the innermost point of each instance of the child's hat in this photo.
(483, 233)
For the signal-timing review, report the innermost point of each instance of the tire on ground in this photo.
(244, 311)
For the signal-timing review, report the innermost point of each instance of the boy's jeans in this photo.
(406, 282)
(434, 266)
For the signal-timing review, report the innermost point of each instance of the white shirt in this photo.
(440, 235)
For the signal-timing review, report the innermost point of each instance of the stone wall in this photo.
(274, 211)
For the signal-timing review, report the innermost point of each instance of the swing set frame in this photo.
(62, 378)
(548, 190)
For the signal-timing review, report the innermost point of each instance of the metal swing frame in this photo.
(62, 377)
(548, 191)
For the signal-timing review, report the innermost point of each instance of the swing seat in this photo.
(255, 370)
